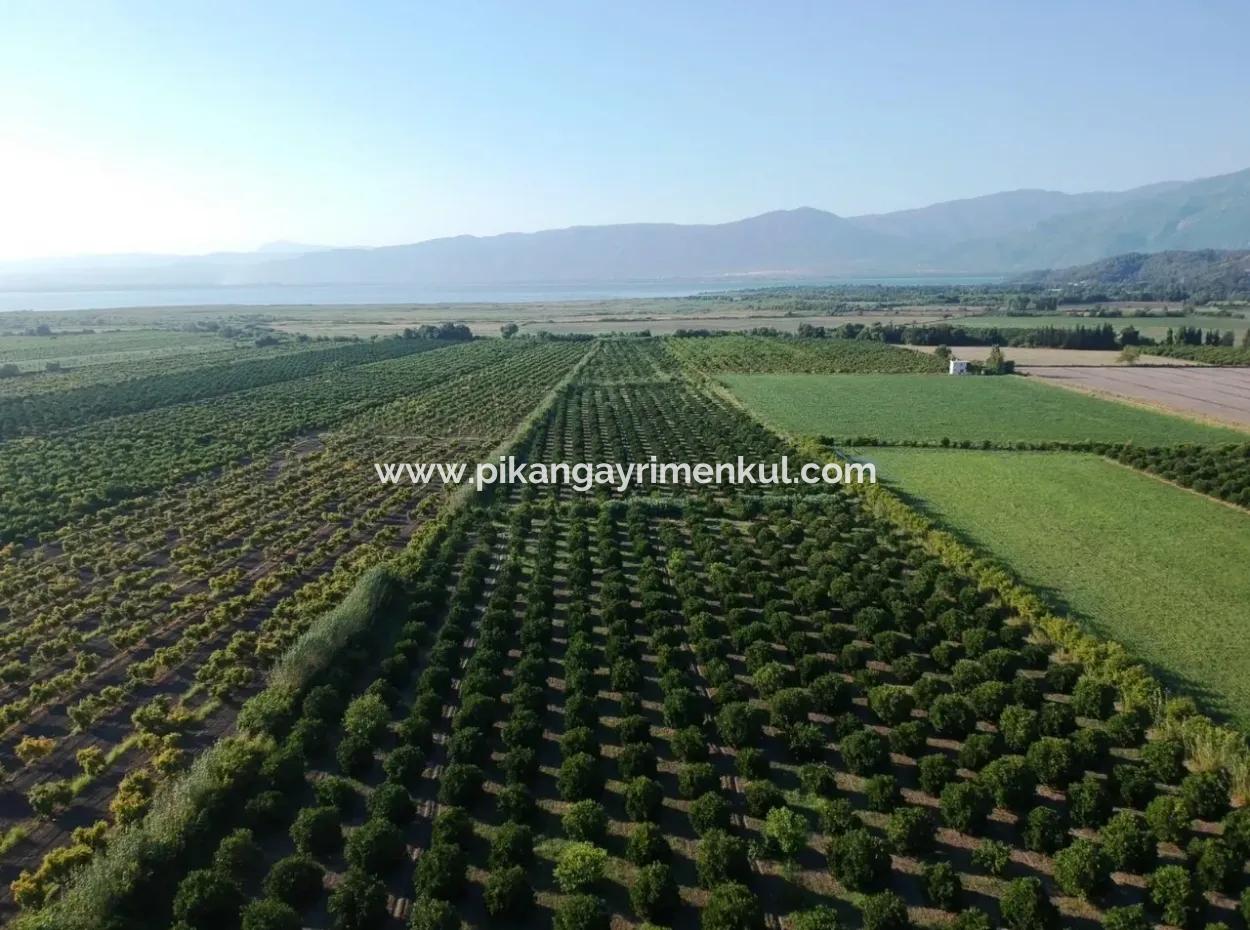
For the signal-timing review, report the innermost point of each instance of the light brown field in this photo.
(1044, 357)
(1219, 394)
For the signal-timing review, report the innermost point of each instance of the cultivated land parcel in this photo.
(924, 408)
(1153, 566)
(247, 687)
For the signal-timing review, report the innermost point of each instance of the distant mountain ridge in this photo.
(1205, 273)
(1001, 233)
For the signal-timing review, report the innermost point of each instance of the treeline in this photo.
(948, 334)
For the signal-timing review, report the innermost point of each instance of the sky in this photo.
(186, 127)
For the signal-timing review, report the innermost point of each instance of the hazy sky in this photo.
(184, 126)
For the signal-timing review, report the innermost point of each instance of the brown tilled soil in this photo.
(1221, 394)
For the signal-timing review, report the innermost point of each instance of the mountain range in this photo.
(1003, 233)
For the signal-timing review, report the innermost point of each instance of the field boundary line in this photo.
(1153, 406)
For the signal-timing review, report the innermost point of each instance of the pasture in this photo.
(1156, 567)
(930, 408)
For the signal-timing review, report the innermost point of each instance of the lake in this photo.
(374, 294)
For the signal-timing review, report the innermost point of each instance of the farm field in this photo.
(1100, 536)
(765, 354)
(866, 409)
(131, 633)
(246, 686)
(1221, 394)
(1033, 358)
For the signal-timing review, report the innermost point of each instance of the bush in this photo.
(336, 792)
(508, 894)
(696, 778)
(358, 903)
(1129, 842)
(1205, 795)
(951, 715)
(1094, 699)
(1090, 748)
(432, 914)
(977, 751)
(1088, 802)
(836, 816)
(1165, 758)
(830, 694)
(1051, 760)
(1044, 830)
(654, 892)
(294, 880)
(1024, 906)
(859, 860)
(515, 803)
(965, 805)
(864, 752)
(885, 911)
(461, 784)
(751, 763)
(647, 844)
(579, 866)
(270, 914)
(1237, 831)
(451, 826)
(816, 918)
(1215, 865)
(512, 844)
(893, 704)
(1057, 719)
(1019, 726)
(1168, 816)
(1082, 869)
(643, 799)
(1011, 780)
(732, 906)
(882, 794)
(206, 898)
(942, 886)
(971, 918)
(911, 831)
(738, 724)
(818, 779)
(1132, 917)
(761, 797)
(440, 872)
(1134, 784)
(785, 831)
(709, 811)
(404, 766)
(585, 820)
(391, 802)
(908, 739)
(720, 858)
(935, 772)
(354, 754)
(581, 912)
(375, 847)
(317, 831)
(992, 856)
(238, 856)
(1126, 730)
(579, 778)
(1174, 895)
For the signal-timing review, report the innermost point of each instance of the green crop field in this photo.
(1162, 569)
(896, 408)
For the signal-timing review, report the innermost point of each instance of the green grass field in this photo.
(1163, 570)
(933, 407)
